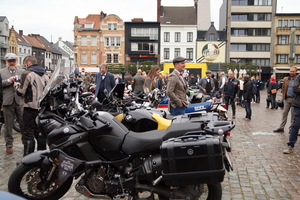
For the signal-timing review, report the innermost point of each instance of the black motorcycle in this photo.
(185, 161)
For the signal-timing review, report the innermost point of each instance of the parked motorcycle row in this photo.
(122, 148)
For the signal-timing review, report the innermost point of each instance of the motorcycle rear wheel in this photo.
(24, 182)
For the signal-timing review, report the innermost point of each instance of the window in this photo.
(189, 53)
(241, 17)
(83, 41)
(190, 37)
(283, 39)
(260, 17)
(260, 61)
(108, 58)
(94, 41)
(20, 50)
(25, 51)
(297, 39)
(297, 59)
(29, 51)
(106, 41)
(115, 26)
(151, 48)
(238, 32)
(285, 23)
(291, 23)
(112, 41)
(88, 25)
(212, 37)
(177, 52)
(83, 58)
(177, 36)
(297, 22)
(166, 36)
(118, 41)
(116, 58)
(109, 26)
(282, 58)
(280, 23)
(259, 32)
(239, 2)
(166, 53)
(94, 59)
(152, 33)
(259, 47)
(262, 2)
(238, 47)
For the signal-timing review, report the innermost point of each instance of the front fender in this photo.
(36, 157)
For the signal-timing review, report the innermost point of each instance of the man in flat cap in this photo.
(206, 84)
(177, 88)
(11, 102)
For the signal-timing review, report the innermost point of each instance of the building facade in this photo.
(4, 34)
(142, 41)
(66, 49)
(211, 45)
(178, 32)
(287, 43)
(24, 48)
(249, 26)
(98, 39)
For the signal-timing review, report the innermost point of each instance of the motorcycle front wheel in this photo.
(25, 181)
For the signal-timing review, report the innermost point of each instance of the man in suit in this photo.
(104, 80)
(177, 88)
(138, 82)
(11, 102)
(207, 84)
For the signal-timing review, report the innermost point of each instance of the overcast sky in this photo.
(54, 18)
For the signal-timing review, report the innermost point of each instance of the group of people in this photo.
(21, 90)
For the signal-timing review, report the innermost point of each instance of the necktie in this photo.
(12, 71)
(180, 73)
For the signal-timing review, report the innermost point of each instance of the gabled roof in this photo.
(2, 18)
(69, 44)
(34, 42)
(50, 46)
(178, 15)
(21, 39)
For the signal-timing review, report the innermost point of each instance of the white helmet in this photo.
(10, 56)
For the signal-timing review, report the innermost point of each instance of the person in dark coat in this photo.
(272, 91)
(104, 80)
(247, 97)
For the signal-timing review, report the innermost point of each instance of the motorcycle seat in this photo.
(139, 142)
(180, 129)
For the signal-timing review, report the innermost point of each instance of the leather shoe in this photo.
(279, 130)
(9, 150)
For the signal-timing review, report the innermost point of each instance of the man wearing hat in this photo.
(206, 84)
(11, 101)
(177, 88)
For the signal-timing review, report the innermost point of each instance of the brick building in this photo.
(98, 38)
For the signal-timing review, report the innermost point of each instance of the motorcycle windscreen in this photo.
(118, 91)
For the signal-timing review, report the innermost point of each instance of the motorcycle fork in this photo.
(43, 185)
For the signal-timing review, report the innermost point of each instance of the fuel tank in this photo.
(108, 140)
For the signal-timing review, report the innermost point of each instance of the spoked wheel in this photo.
(26, 182)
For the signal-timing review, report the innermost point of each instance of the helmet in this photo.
(280, 103)
(10, 56)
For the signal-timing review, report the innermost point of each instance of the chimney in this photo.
(195, 3)
(137, 20)
(158, 10)
(21, 32)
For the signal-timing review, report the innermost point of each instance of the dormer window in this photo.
(88, 25)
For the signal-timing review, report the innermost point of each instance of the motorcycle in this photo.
(159, 100)
(185, 161)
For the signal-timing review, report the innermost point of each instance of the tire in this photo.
(16, 125)
(25, 178)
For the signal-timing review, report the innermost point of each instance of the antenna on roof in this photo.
(281, 9)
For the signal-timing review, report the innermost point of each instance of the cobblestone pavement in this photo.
(261, 170)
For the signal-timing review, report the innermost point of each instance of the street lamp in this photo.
(292, 46)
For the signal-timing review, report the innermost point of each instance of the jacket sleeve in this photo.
(112, 81)
(296, 86)
(170, 90)
(200, 84)
(21, 88)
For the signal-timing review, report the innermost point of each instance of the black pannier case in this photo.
(192, 159)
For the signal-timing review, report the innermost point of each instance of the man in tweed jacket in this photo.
(177, 88)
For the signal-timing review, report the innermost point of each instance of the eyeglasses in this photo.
(11, 60)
